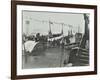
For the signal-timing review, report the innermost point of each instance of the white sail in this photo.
(29, 45)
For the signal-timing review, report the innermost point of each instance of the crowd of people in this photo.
(44, 39)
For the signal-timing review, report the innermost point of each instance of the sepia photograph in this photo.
(54, 39)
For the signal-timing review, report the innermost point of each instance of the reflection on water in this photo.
(52, 57)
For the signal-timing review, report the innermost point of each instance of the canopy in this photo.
(55, 38)
(29, 45)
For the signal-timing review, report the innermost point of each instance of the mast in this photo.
(27, 22)
(62, 30)
(78, 29)
(86, 23)
(50, 33)
(86, 33)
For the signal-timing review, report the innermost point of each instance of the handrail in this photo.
(80, 48)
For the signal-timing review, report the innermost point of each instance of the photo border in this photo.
(14, 38)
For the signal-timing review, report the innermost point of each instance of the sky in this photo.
(38, 22)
